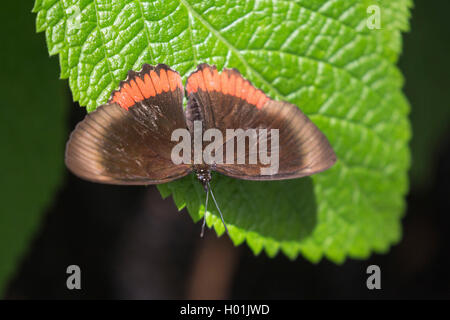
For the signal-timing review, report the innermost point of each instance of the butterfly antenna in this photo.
(217, 206)
(204, 215)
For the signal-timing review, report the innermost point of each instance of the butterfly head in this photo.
(203, 173)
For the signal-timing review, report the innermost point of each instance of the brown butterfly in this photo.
(128, 141)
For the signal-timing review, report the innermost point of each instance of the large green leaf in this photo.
(319, 55)
(32, 131)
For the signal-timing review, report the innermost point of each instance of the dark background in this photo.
(130, 243)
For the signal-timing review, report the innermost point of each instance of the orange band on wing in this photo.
(232, 85)
(244, 90)
(123, 99)
(250, 94)
(228, 82)
(238, 87)
(224, 83)
(164, 80)
(216, 80)
(200, 81)
(212, 80)
(262, 100)
(133, 91)
(146, 87)
(192, 85)
(156, 82)
(146, 84)
(174, 80)
(208, 80)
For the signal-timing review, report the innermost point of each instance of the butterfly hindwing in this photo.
(227, 101)
(128, 140)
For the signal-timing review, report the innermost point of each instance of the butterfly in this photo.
(129, 140)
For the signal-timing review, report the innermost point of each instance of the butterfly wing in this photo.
(228, 101)
(128, 140)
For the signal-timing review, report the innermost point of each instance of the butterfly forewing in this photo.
(228, 101)
(128, 141)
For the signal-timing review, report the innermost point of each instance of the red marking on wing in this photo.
(123, 99)
(208, 80)
(232, 85)
(224, 82)
(228, 82)
(216, 80)
(201, 81)
(238, 88)
(145, 87)
(262, 100)
(164, 80)
(156, 82)
(174, 80)
(192, 85)
(244, 91)
(133, 91)
(250, 93)
(146, 84)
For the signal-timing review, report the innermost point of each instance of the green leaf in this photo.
(319, 55)
(32, 132)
